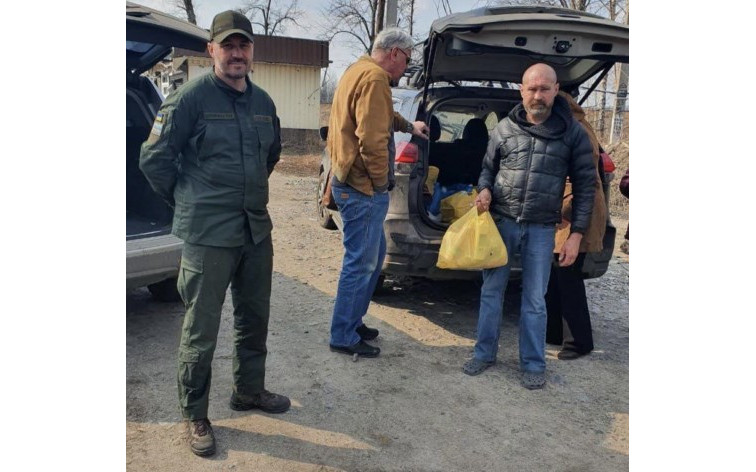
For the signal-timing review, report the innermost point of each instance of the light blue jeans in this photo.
(535, 244)
(364, 250)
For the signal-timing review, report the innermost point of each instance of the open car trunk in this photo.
(460, 125)
(146, 213)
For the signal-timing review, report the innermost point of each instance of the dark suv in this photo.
(472, 65)
(153, 254)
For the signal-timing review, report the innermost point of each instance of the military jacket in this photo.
(209, 154)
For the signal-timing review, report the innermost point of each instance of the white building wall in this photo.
(196, 70)
(295, 90)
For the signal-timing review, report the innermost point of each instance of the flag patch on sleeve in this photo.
(157, 127)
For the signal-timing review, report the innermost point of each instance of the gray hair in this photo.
(392, 38)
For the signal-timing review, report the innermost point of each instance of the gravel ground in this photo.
(411, 408)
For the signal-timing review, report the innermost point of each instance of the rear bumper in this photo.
(151, 260)
(410, 254)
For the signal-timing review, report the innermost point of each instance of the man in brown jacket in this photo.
(568, 320)
(360, 130)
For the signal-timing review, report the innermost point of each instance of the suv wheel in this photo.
(165, 291)
(324, 216)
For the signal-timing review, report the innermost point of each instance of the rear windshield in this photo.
(453, 124)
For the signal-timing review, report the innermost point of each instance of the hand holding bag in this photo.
(472, 242)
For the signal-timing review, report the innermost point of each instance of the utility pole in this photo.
(391, 14)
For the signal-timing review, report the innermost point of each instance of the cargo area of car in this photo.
(459, 133)
(146, 213)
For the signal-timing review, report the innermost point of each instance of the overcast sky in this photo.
(341, 51)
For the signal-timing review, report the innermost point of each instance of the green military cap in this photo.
(230, 22)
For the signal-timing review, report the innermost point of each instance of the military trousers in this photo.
(204, 277)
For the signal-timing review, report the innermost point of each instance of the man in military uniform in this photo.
(214, 143)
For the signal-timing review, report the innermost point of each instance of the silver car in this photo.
(153, 254)
(472, 65)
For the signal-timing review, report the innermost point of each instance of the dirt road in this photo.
(410, 409)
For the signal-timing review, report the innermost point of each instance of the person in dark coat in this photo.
(568, 320)
(529, 156)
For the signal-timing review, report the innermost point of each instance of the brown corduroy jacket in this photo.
(593, 238)
(362, 120)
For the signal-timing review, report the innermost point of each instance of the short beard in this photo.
(235, 75)
(538, 111)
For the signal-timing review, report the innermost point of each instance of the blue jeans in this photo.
(535, 244)
(364, 250)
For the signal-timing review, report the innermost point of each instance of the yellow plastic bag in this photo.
(456, 205)
(430, 181)
(472, 242)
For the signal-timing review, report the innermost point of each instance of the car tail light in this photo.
(406, 152)
(607, 163)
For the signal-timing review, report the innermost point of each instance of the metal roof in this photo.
(281, 50)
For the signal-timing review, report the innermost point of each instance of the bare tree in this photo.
(614, 9)
(327, 88)
(380, 14)
(187, 6)
(407, 9)
(362, 20)
(581, 5)
(354, 18)
(443, 7)
(620, 99)
(271, 18)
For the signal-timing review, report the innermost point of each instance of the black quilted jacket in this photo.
(526, 165)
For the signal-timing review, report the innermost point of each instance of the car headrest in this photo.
(435, 129)
(475, 130)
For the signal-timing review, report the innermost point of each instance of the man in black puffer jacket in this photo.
(529, 155)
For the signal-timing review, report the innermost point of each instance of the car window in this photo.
(452, 125)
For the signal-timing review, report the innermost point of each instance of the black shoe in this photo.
(361, 348)
(265, 401)
(201, 437)
(367, 334)
(568, 355)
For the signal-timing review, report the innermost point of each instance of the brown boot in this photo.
(201, 437)
(265, 400)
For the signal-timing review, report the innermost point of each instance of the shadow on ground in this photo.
(409, 409)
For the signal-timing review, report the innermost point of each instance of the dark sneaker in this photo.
(367, 334)
(362, 349)
(266, 401)
(201, 437)
(533, 380)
